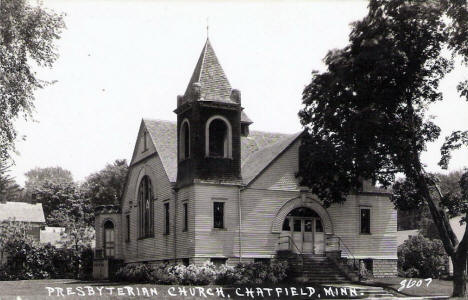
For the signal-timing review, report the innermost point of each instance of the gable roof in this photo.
(258, 149)
(22, 212)
(214, 85)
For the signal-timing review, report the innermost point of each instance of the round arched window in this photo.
(218, 137)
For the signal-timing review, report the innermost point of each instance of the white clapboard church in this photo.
(206, 187)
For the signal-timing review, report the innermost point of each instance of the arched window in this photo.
(109, 239)
(184, 145)
(146, 211)
(218, 137)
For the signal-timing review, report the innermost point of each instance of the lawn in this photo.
(437, 287)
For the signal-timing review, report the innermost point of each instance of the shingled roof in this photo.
(21, 212)
(214, 85)
(258, 149)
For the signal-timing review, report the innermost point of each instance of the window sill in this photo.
(363, 233)
(146, 237)
(219, 229)
(218, 157)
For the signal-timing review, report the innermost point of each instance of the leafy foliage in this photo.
(27, 36)
(9, 189)
(106, 186)
(421, 257)
(366, 113)
(205, 274)
(37, 177)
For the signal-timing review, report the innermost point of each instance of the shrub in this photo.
(207, 273)
(28, 260)
(421, 257)
(134, 273)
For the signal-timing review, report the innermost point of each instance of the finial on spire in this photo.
(207, 27)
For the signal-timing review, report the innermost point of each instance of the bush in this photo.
(27, 260)
(421, 257)
(207, 273)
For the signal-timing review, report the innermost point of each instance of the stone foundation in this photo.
(384, 268)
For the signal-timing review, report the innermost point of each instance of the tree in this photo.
(106, 186)
(413, 216)
(59, 199)
(366, 114)
(39, 177)
(9, 189)
(27, 36)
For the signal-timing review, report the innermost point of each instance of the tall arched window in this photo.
(146, 207)
(184, 143)
(218, 137)
(109, 239)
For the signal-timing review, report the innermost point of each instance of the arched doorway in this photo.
(305, 228)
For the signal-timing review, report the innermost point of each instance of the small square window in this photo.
(365, 221)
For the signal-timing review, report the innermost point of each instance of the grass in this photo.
(438, 287)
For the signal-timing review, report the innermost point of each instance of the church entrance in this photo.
(304, 227)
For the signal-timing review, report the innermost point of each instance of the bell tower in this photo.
(209, 125)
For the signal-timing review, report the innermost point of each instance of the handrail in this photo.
(291, 241)
(341, 242)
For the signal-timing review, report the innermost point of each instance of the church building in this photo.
(207, 187)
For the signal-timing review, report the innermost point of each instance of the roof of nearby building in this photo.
(458, 229)
(214, 85)
(22, 212)
(258, 149)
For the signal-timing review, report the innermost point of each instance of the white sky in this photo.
(121, 61)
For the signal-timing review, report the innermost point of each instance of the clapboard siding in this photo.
(161, 246)
(277, 185)
(261, 203)
(185, 242)
(210, 241)
(280, 174)
(382, 240)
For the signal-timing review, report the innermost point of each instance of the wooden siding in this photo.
(277, 185)
(260, 201)
(209, 241)
(161, 246)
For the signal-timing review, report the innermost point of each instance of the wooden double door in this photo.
(306, 232)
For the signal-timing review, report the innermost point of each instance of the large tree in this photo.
(366, 114)
(37, 177)
(27, 36)
(106, 186)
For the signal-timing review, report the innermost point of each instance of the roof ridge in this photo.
(275, 132)
(158, 120)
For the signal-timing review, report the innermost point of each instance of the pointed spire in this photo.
(208, 82)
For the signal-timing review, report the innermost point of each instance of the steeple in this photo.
(208, 81)
(209, 125)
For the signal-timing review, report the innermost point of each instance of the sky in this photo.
(121, 61)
